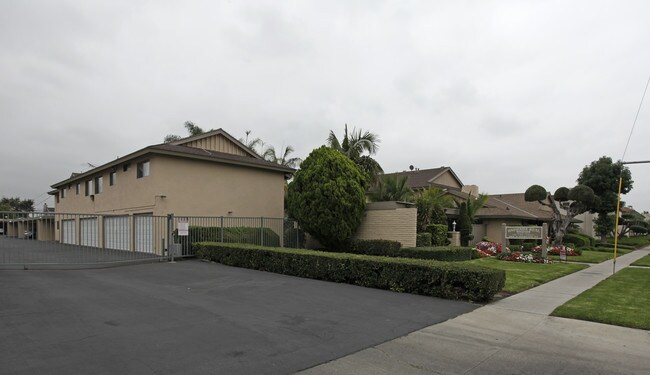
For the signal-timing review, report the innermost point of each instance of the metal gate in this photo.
(60, 241)
(57, 240)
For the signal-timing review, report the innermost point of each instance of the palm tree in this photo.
(284, 159)
(391, 188)
(354, 146)
(474, 204)
(431, 204)
(253, 143)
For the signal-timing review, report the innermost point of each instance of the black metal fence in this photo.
(56, 240)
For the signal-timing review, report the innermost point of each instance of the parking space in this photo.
(33, 254)
(193, 317)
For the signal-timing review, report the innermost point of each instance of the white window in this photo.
(99, 184)
(89, 187)
(63, 193)
(112, 178)
(143, 169)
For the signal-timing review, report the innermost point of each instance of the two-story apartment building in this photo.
(211, 174)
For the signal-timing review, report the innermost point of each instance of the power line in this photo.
(635, 118)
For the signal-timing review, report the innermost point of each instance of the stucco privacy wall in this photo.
(393, 221)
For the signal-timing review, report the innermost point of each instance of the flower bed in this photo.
(555, 250)
(486, 248)
(518, 256)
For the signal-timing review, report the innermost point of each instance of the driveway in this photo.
(192, 317)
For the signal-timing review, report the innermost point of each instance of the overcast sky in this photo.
(507, 93)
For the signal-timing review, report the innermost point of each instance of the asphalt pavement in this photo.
(514, 335)
(193, 317)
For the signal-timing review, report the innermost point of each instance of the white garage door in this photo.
(88, 234)
(116, 232)
(69, 232)
(144, 233)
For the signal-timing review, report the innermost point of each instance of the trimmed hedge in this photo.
(438, 234)
(443, 254)
(373, 247)
(611, 245)
(423, 239)
(579, 239)
(393, 249)
(234, 235)
(438, 279)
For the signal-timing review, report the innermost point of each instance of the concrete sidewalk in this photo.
(513, 336)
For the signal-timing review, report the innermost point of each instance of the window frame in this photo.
(99, 184)
(143, 169)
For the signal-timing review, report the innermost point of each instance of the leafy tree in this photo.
(391, 188)
(271, 155)
(191, 128)
(358, 147)
(604, 225)
(464, 224)
(431, 204)
(16, 204)
(602, 176)
(573, 201)
(327, 197)
(629, 221)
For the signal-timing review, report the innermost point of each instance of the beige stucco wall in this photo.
(184, 187)
(217, 143)
(389, 221)
(447, 179)
(494, 228)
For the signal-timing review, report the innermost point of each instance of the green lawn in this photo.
(645, 261)
(522, 276)
(621, 299)
(591, 256)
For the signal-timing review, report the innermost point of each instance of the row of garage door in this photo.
(117, 232)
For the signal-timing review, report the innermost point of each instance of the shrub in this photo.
(438, 279)
(518, 256)
(611, 246)
(423, 239)
(490, 248)
(438, 234)
(374, 247)
(327, 196)
(443, 254)
(577, 239)
(294, 237)
(249, 235)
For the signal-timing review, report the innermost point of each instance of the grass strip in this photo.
(591, 256)
(644, 262)
(522, 276)
(622, 300)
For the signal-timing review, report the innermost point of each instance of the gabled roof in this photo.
(187, 141)
(173, 149)
(424, 178)
(513, 206)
